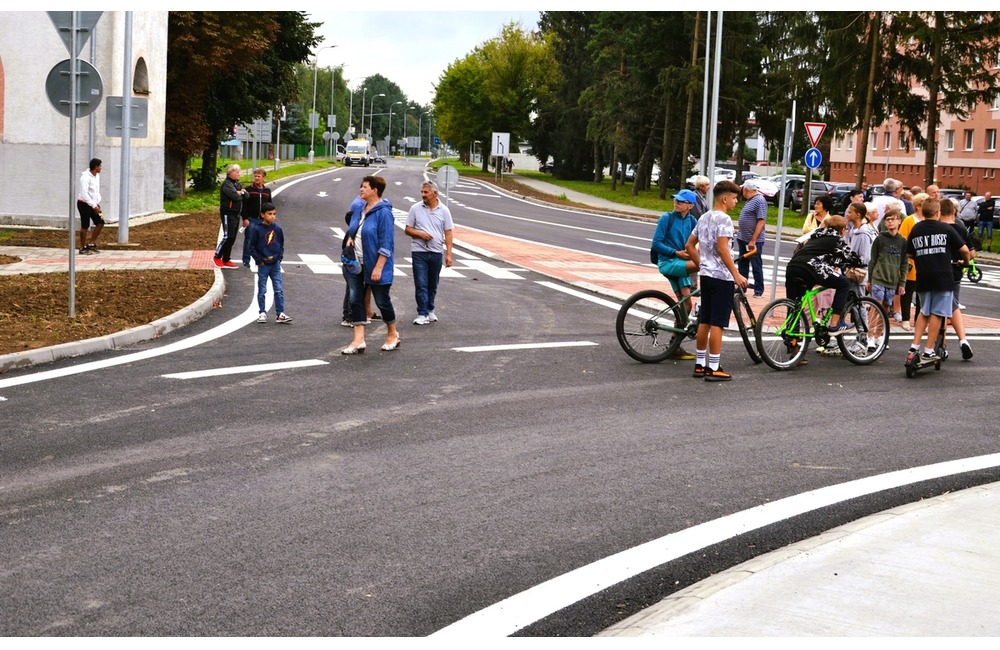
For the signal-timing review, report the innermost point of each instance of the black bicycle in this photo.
(651, 325)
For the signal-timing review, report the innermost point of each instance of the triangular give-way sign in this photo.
(815, 131)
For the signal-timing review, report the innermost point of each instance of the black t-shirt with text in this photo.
(932, 245)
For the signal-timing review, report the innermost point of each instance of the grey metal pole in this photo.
(704, 97)
(715, 99)
(74, 75)
(786, 158)
(125, 173)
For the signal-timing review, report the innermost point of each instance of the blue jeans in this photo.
(755, 262)
(380, 294)
(273, 271)
(986, 227)
(426, 273)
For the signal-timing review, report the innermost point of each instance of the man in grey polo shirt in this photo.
(429, 224)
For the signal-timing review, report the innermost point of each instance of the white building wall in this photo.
(35, 183)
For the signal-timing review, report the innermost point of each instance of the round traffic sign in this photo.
(90, 88)
(447, 177)
(327, 136)
(813, 158)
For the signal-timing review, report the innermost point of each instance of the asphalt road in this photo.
(394, 494)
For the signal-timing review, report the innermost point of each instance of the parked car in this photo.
(841, 197)
(793, 195)
(776, 180)
(547, 167)
(721, 174)
(952, 193)
(768, 188)
(378, 159)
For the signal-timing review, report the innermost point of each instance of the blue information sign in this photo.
(813, 158)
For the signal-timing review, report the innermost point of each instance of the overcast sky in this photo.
(411, 49)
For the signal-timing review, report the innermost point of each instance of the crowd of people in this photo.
(367, 251)
(906, 249)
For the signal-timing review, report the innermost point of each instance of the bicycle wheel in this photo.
(974, 274)
(644, 326)
(867, 344)
(741, 305)
(782, 334)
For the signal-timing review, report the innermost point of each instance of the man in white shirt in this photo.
(88, 204)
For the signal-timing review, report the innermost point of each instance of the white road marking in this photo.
(525, 346)
(321, 194)
(262, 367)
(520, 610)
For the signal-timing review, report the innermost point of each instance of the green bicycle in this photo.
(785, 327)
(651, 325)
(973, 272)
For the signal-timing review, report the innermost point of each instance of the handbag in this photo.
(856, 274)
(349, 256)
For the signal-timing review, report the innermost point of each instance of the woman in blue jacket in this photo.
(372, 232)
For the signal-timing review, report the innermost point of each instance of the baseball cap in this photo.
(686, 195)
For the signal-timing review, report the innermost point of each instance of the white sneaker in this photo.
(433, 318)
(421, 320)
(262, 318)
(906, 326)
(284, 318)
(858, 349)
(961, 306)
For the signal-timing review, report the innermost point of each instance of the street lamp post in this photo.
(363, 92)
(371, 116)
(404, 127)
(388, 137)
(312, 120)
(420, 126)
(329, 122)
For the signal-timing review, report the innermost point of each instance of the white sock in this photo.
(699, 357)
(713, 361)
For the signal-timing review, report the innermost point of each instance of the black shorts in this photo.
(716, 301)
(87, 214)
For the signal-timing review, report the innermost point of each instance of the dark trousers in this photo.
(230, 226)
(246, 241)
(798, 281)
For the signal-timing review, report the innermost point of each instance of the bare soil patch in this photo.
(34, 308)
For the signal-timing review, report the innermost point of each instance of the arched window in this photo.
(140, 78)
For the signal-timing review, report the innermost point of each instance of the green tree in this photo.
(494, 88)
(952, 55)
(226, 68)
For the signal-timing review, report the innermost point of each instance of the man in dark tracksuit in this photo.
(231, 197)
(257, 195)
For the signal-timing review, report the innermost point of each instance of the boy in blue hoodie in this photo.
(267, 247)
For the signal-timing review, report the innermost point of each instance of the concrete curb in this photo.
(118, 340)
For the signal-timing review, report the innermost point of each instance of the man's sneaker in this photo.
(966, 351)
(283, 318)
(832, 351)
(347, 322)
(91, 247)
(230, 265)
(682, 355)
(262, 318)
(86, 251)
(218, 262)
(906, 326)
(929, 356)
(840, 328)
(246, 265)
(421, 320)
(432, 317)
(858, 349)
(699, 372)
(717, 375)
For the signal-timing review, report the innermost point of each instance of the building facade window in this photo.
(949, 139)
(968, 139)
(887, 140)
(850, 142)
(991, 139)
(995, 106)
(874, 138)
(901, 141)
